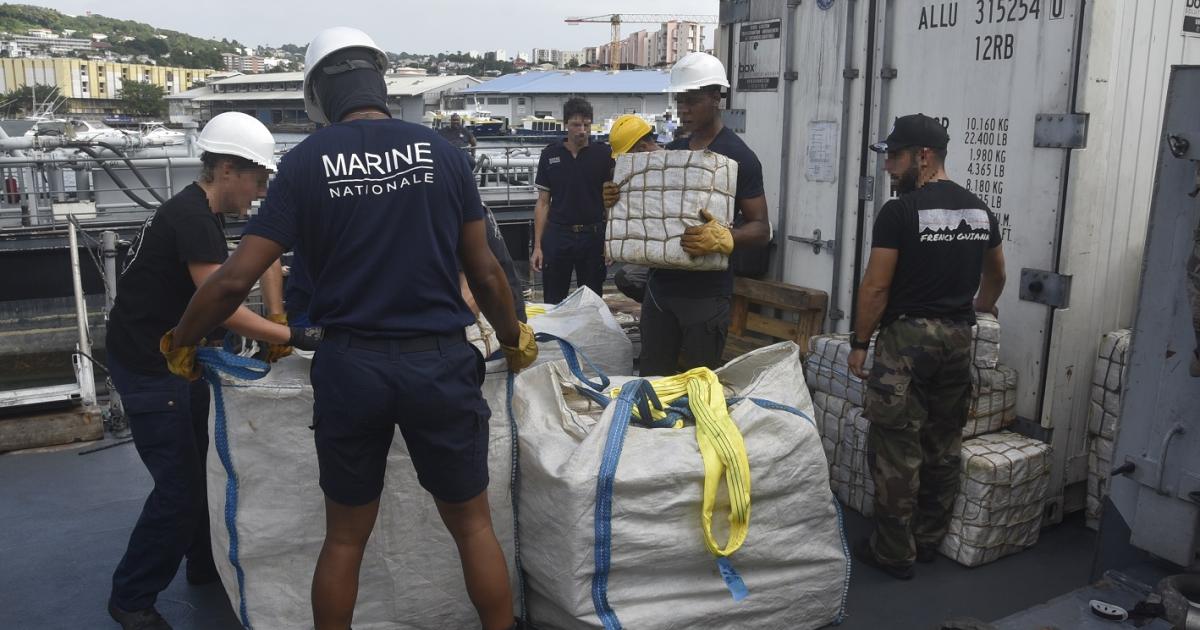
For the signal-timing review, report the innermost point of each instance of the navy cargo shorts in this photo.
(363, 388)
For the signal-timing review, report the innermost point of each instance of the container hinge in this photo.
(791, 75)
(888, 73)
(735, 119)
(850, 73)
(815, 241)
(1060, 131)
(837, 315)
(1046, 287)
(866, 189)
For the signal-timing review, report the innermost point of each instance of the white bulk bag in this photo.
(584, 319)
(662, 194)
(410, 579)
(793, 563)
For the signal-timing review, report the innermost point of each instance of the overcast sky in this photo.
(403, 25)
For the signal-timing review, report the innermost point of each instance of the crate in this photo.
(764, 312)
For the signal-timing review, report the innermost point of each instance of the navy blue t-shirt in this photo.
(699, 284)
(375, 208)
(575, 182)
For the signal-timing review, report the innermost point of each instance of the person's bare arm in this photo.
(756, 231)
(222, 288)
(872, 301)
(272, 289)
(991, 283)
(487, 282)
(541, 214)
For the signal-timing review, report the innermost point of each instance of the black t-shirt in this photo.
(575, 182)
(461, 138)
(941, 231)
(698, 284)
(155, 286)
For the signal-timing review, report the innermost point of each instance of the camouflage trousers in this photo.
(917, 400)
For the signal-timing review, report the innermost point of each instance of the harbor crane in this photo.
(616, 19)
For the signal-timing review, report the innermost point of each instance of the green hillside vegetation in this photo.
(179, 49)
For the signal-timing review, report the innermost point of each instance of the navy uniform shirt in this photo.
(375, 209)
(156, 285)
(460, 138)
(575, 182)
(699, 284)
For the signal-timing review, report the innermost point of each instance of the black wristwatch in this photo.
(855, 344)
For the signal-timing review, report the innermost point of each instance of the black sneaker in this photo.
(864, 554)
(926, 554)
(145, 619)
(199, 574)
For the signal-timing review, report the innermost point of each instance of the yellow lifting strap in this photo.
(533, 310)
(721, 447)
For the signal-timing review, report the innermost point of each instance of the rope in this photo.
(572, 356)
(214, 363)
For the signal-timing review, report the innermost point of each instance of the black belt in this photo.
(395, 345)
(581, 227)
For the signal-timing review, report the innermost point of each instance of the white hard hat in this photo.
(696, 70)
(235, 133)
(326, 43)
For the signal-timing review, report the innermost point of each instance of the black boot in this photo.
(145, 619)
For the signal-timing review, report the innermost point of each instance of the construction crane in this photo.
(616, 19)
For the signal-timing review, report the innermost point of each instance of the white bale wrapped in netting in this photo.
(854, 484)
(661, 573)
(826, 368)
(985, 341)
(583, 318)
(993, 393)
(1108, 376)
(1104, 417)
(410, 579)
(993, 400)
(662, 194)
(1100, 466)
(844, 436)
(831, 419)
(998, 511)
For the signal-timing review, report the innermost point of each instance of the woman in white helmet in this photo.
(177, 248)
(384, 214)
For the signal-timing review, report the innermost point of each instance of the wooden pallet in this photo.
(764, 312)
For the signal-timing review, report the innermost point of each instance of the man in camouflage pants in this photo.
(933, 248)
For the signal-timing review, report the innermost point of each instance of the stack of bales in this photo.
(1005, 475)
(1104, 414)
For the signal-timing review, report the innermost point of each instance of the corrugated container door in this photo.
(987, 69)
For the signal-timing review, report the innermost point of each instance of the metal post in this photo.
(83, 365)
(108, 247)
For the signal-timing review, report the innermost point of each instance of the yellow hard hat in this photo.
(625, 133)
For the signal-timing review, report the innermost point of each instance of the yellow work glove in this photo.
(612, 193)
(275, 351)
(182, 360)
(524, 353)
(709, 238)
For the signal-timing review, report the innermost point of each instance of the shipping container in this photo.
(1054, 110)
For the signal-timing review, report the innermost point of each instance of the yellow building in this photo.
(90, 85)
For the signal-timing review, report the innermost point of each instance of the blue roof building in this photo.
(524, 95)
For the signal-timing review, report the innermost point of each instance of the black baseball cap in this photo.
(914, 130)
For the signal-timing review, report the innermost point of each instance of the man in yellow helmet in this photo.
(632, 134)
